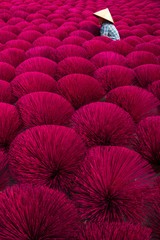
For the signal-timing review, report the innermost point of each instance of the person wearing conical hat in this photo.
(107, 24)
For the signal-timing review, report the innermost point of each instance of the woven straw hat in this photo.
(105, 14)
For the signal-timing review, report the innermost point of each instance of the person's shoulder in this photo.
(105, 25)
(112, 27)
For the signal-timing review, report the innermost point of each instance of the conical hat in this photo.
(105, 14)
